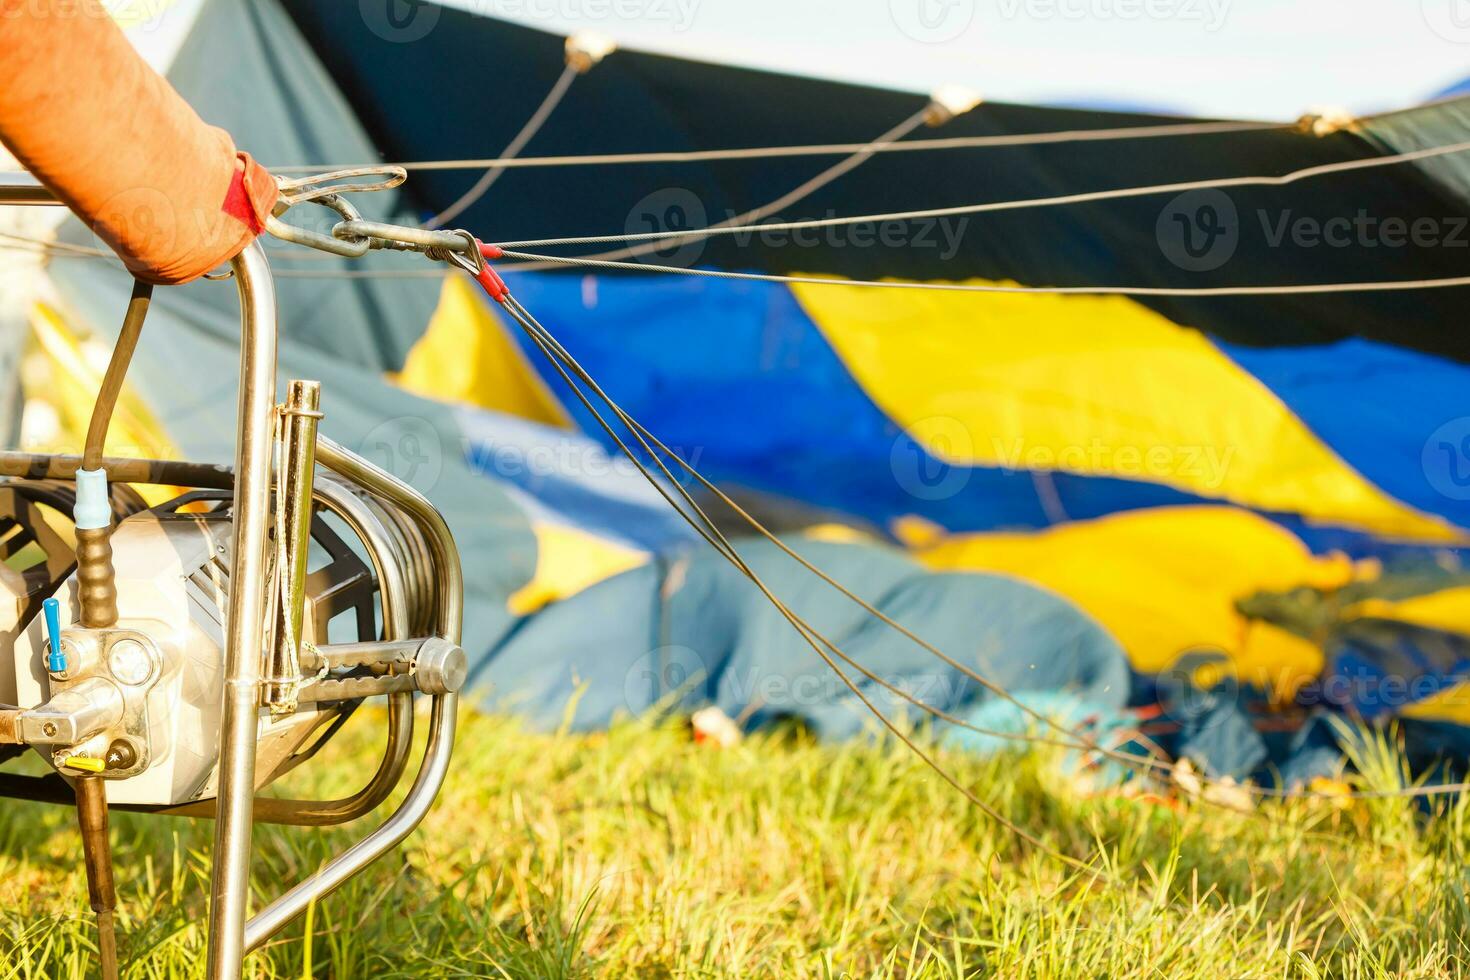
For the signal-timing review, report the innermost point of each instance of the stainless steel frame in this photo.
(231, 937)
(18, 187)
(245, 637)
(450, 603)
(159, 472)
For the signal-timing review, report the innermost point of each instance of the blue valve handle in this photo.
(56, 659)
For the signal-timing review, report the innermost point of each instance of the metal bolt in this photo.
(49, 729)
(121, 755)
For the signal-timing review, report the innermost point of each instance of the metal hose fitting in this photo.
(97, 590)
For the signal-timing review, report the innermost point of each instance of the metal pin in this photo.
(299, 417)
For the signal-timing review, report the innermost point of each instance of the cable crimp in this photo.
(488, 278)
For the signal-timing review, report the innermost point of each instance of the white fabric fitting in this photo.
(93, 510)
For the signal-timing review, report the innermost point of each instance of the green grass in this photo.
(638, 853)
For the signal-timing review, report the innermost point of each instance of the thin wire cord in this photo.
(799, 193)
(528, 131)
(539, 336)
(545, 341)
(1086, 197)
(1288, 290)
(42, 244)
(817, 149)
(1075, 739)
(534, 260)
(42, 247)
(1083, 742)
(643, 436)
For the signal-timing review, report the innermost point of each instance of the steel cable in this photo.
(528, 131)
(818, 149)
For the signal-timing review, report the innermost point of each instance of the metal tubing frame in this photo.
(246, 629)
(450, 599)
(19, 187)
(230, 936)
(158, 472)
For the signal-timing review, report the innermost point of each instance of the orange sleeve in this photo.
(90, 119)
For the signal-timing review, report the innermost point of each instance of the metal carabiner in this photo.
(400, 237)
(352, 237)
(457, 245)
(315, 239)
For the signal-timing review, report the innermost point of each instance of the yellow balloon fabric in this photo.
(1165, 580)
(1095, 386)
(466, 356)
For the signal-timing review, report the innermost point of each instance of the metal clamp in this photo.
(353, 237)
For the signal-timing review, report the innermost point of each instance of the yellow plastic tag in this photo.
(85, 763)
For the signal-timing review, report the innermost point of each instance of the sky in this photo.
(1252, 59)
(1245, 59)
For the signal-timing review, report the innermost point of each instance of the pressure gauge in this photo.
(130, 662)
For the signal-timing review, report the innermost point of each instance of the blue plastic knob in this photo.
(56, 659)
